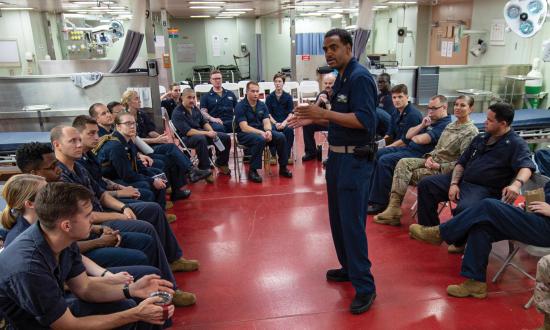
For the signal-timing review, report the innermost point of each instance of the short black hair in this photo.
(345, 36)
(385, 75)
(503, 112)
(28, 156)
(59, 200)
(80, 122)
(112, 104)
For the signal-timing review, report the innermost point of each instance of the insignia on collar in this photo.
(341, 98)
(507, 141)
(230, 97)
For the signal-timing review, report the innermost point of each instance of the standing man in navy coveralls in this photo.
(351, 128)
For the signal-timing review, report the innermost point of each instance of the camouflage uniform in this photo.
(453, 141)
(542, 287)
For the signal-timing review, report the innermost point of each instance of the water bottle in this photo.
(218, 143)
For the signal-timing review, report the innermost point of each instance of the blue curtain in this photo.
(309, 43)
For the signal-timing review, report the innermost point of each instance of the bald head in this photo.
(328, 82)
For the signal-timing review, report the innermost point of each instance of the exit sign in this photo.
(306, 57)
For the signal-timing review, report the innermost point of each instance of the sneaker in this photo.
(337, 275)
(171, 218)
(468, 288)
(425, 234)
(184, 265)
(361, 303)
(182, 298)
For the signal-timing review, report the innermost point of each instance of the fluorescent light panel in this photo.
(315, 2)
(18, 8)
(93, 3)
(239, 9)
(200, 16)
(206, 2)
(205, 7)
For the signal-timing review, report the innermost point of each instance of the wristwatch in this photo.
(126, 291)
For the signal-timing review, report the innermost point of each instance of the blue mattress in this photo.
(10, 141)
(523, 119)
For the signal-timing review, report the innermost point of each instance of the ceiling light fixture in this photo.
(205, 7)
(401, 2)
(225, 17)
(337, 16)
(18, 8)
(200, 16)
(315, 2)
(93, 3)
(239, 9)
(233, 12)
(207, 2)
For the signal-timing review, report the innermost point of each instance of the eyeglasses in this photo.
(129, 123)
(434, 108)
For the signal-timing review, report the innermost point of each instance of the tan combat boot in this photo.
(468, 288)
(182, 298)
(425, 234)
(392, 214)
(184, 265)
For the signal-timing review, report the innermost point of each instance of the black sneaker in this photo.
(337, 275)
(361, 303)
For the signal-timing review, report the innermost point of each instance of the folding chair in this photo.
(201, 89)
(234, 87)
(292, 88)
(242, 88)
(238, 159)
(536, 181)
(307, 88)
(266, 87)
(192, 155)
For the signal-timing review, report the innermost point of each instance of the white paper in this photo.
(450, 49)
(381, 144)
(186, 53)
(497, 32)
(216, 45)
(159, 41)
(443, 48)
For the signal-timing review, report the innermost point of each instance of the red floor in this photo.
(264, 249)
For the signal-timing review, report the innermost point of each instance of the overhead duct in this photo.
(364, 28)
(134, 37)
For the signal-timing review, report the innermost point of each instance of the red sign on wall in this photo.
(306, 57)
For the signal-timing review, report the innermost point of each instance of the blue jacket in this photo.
(279, 108)
(219, 106)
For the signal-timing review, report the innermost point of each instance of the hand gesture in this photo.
(146, 160)
(148, 312)
(294, 122)
(130, 215)
(216, 120)
(431, 164)
(510, 193)
(149, 284)
(268, 136)
(109, 239)
(128, 192)
(313, 112)
(541, 208)
(163, 138)
(159, 184)
(118, 278)
(427, 121)
(454, 193)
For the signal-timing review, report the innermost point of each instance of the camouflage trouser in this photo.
(542, 287)
(409, 171)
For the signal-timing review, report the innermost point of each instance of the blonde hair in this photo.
(127, 97)
(18, 189)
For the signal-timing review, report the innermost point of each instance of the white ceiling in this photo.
(181, 8)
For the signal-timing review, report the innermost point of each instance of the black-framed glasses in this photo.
(435, 108)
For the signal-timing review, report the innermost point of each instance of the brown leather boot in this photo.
(392, 214)
(184, 265)
(425, 234)
(182, 298)
(468, 288)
